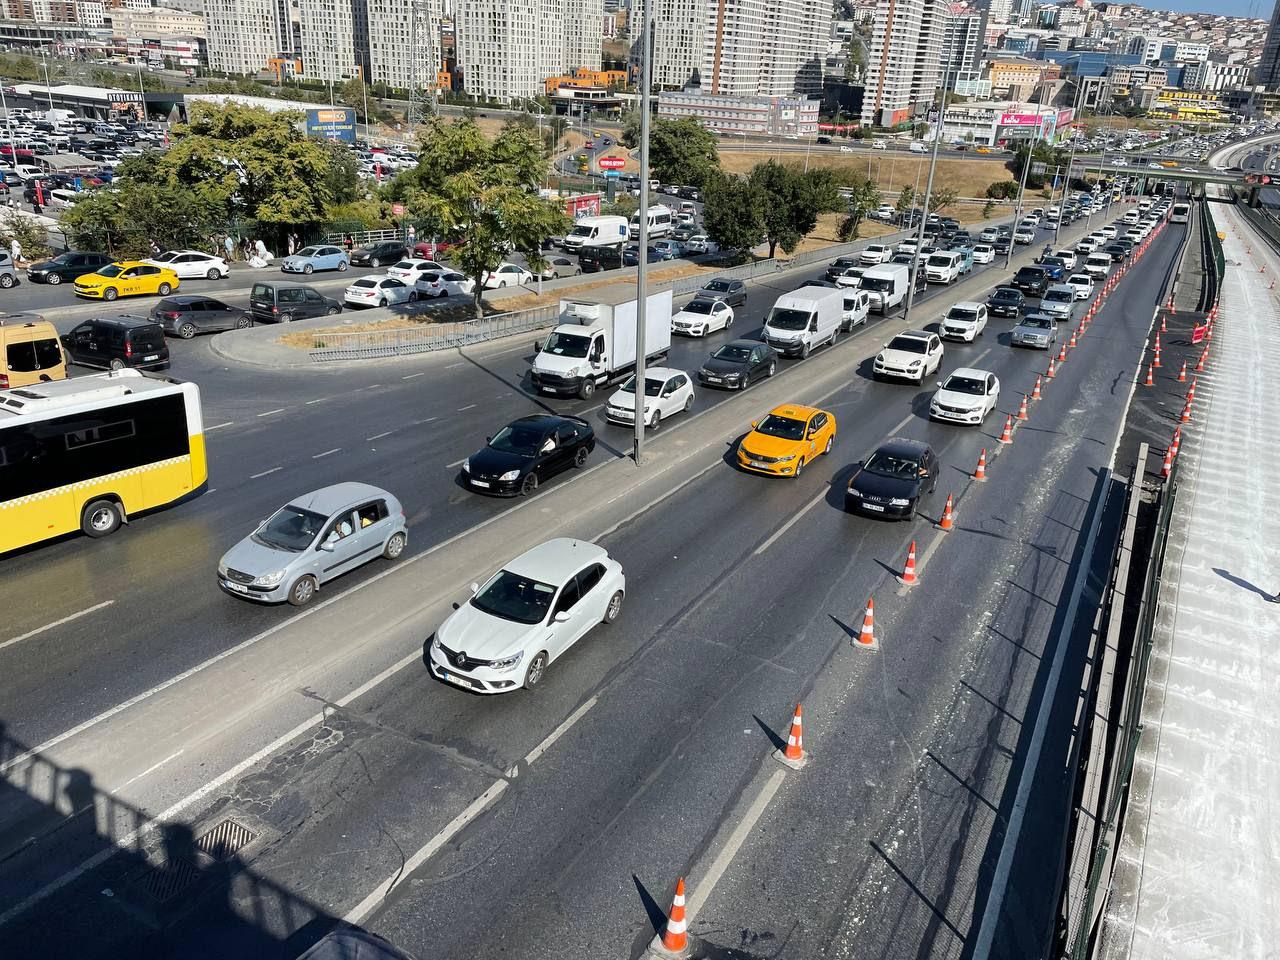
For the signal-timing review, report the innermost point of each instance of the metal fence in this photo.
(405, 341)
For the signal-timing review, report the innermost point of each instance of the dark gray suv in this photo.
(278, 301)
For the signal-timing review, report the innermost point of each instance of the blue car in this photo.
(319, 257)
(631, 256)
(669, 249)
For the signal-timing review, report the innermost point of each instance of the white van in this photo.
(660, 223)
(886, 285)
(1131, 216)
(596, 232)
(857, 304)
(804, 319)
(917, 147)
(944, 266)
(1098, 265)
(879, 144)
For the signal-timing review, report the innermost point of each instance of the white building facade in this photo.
(763, 116)
(242, 34)
(328, 39)
(583, 34)
(903, 67)
(507, 48)
(401, 53)
(678, 52)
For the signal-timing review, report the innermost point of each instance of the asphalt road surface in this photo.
(645, 754)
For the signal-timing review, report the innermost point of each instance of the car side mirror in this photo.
(475, 588)
(754, 424)
(561, 617)
(939, 383)
(326, 546)
(537, 346)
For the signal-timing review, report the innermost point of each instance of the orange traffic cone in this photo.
(948, 521)
(981, 472)
(1035, 392)
(1073, 342)
(1062, 353)
(1163, 328)
(675, 937)
(1155, 360)
(867, 636)
(1050, 373)
(1151, 379)
(1167, 468)
(1191, 393)
(1177, 442)
(1200, 363)
(908, 577)
(1186, 413)
(793, 754)
(1006, 436)
(1182, 374)
(1022, 409)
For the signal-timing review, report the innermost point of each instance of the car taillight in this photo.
(128, 349)
(173, 314)
(275, 309)
(4, 381)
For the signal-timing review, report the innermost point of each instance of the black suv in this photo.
(114, 343)
(376, 254)
(1031, 280)
(1006, 302)
(594, 259)
(278, 301)
(66, 266)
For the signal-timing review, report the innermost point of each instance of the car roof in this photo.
(1059, 286)
(749, 344)
(124, 320)
(902, 447)
(556, 560)
(547, 420)
(336, 496)
(973, 372)
(796, 411)
(1037, 313)
(914, 334)
(660, 373)
(968, 304)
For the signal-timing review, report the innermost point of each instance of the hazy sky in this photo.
(1260, 9)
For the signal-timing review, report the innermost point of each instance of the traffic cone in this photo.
(1062, 353)
(908, 577)
(867, 636)
(1167, 468)
(1073, 343)
(1191, 393)
(1200, 363)
(793, 754)
(1155, 360)
(1049, 374)
(1151, 380)
(948, 521)
(1182, 374)
(1163, 328)
(1006, 435)
(981, 472)
(675, 937)
(1186, 413)
(1035, 392)
(1022, 409)
(1176, 445)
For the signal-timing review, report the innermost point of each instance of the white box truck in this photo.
(886, 285)
(596, 232)
(804, 319)
(594, 340)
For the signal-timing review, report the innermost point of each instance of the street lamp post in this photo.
(642, 254)
(1022, 187)
(928, 192)
(1075, 108)
(48, 85)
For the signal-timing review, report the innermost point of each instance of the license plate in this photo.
(480, 483)
(235, 586)
(154, 356)
(873, 507)
(713, 379)
(758, 465)
(456, 681)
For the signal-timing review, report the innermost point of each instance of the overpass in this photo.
(1200, 175)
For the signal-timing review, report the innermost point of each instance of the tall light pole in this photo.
(642, 254)
(1022, 187)
(13, 153)
(928, 192)
(1075, 107)
(48, 86)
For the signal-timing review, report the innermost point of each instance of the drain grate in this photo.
(224, 840)
(162, 884)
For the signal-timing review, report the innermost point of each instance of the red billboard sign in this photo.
(612, 163)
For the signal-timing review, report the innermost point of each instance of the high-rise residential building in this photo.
(903, 69)
(962, 44)
(1268, 73)
(507, 48)
(243, 34)
(403, 53)
(583, 34)
(999, 11)
(328, 38)
(677, 31)
(771, 48)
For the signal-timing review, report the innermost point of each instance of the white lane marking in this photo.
(57, 623)
(412, 375)
(456, 463)
(902, 423)
(379, 436)
(559, 731)
(418, 423)
(974, 361)
(822, 494)
(218, 426)
(379, 893)
(267, 413)
(454, 366)
(372, 386)
(151, 769)
(317, 456)
(265, 473)
(128, 840)
(468, 407)
(702, 890)
(319, 400)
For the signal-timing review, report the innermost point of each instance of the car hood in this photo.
(766, 446)
(723, 367)
(876, 485)
(93, 279)
(901, 358)
(250, 556)
(491, 462)
(43, 265)
(553, 363)
(952, 398)
(627, 400)
(295, 260)
(485, 637)
(961, 322)
(1023, 331)
(689, 317)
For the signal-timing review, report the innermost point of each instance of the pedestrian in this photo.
(229, 244)
(349, 242)
(15, 250)
(412, 236)
(291, 244)
(155, 249)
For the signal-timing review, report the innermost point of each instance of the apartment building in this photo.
(962, 44)
(1268, 73)
(677, 41)
(1016, 72)
(402, 53)
(331, 30)
(583, 33)
(507, 48)
(243, 34)
(762, 116)
(903, 69)
(156, 22)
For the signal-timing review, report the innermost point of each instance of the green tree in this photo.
(791, 202)
(944, 198)
(906, 199)
(630, 136)
(682, 151)
(28, 231)
(988, 209)
(1003, 190)
(623, 205)
(855, 64)
(482, 194)
(862, 198)
(733, 212)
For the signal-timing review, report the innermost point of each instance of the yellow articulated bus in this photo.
(89, 454)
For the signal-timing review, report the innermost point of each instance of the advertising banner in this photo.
(332, 123)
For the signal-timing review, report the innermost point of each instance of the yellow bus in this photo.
(91, 453)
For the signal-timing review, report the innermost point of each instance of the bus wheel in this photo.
(101, 518)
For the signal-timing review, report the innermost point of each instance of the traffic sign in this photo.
(611, 173)
(397, 210)
(612, 163)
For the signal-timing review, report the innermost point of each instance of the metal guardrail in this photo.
(425, 338)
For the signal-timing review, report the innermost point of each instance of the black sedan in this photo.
(738, 364)
(631, 255)
(838, 266)
(376, 254)
(527, 452)
(732, 292)
(1115, 251)
(186, 315)
(893, 480)
(66, 266)
(1006, 302)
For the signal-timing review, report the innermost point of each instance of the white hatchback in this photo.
(1083, 284)
(666, 393)
(964, 321)
(379, 292)
(984, 253)
(525, 616)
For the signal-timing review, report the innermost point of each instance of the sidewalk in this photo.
(1198, 865)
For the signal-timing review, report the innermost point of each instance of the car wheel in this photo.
(7, 280)
(303, 591)
(101, 518)
(835, 335)
(688, 403)
(375, 263)
(342, 266)
(537, 670)
(656, 420)
(187, 331)
(53, 279)
(382, 302)
(286, 318)
(529, 484)
(413, 296)
(164, 289)
(308, 268)
(770, 369)
(332, 312)
(213, 273)
(243, 323)
(117, 364)
(827, 449)
(395, 546)
(587, 390)
(799, 469)
(614, 609)
(804, 352)
(110, 293)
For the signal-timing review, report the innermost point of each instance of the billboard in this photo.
(1020, 119)
(332, 123)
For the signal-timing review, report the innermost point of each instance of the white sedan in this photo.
(876, 253)
(410, 270)
(1083, 284)
(507, 275)
(192, 264)
(526, 616)
(701, 316)
(666, 393)
(379, 292)
(444, 283)
(967, 396)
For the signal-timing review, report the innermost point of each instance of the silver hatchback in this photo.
(312, 540)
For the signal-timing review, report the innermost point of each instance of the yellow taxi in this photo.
(789, 437)
(127, 278)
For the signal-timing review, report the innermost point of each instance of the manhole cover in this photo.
(162, 884)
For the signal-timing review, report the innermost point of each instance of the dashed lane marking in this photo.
(267, 413)
(317, 456)
(265, 473)
(57, 623)
(379, 436)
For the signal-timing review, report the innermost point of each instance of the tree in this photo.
(482, 195)
(1003, 190)
(988, 209)
(623, 205)
(791, 202)
(943, 198)
(862, 198)
(906, 199)
(682, 151)
(28, 231)
(855, 64)
(630, 136)
(733, 212)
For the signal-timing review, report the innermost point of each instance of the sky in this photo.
(1260, 9)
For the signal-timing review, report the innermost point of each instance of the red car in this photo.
(590, 144)
(426, 250)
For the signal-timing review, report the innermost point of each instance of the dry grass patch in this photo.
(892, 171)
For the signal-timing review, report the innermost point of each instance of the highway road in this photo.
(646, 750)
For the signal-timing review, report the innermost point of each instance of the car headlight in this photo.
(899, 502)
(270, 579)
(879, 358)
(466, 465)
(506, 663)
(435, 643)
(913, 364)
(510, 475)
(787, 459)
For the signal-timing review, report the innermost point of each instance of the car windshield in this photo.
(290, 528)
(308, 252)
(1060, 296)
(784, 318)
(892, 465)
(732, 353)
(787, 428)
(404, 265)
(697, 306)
(967, 314)
(567, 345)
(1004, 294)
(716, 286)
(651, 387)
(940, 260)
(110, 270)
(366, 283)
(958, 384)
(510, 596)
(582, 230)
(908, 344)
(1039, 323)
(518, 438)
(1080, 280)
